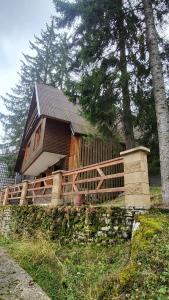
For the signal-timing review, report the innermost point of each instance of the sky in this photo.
(19, 21)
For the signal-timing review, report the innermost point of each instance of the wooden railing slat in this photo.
(87, 192)
(107, 163)
(118, 175)
(40, 188)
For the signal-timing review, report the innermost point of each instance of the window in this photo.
(27, 151)
(37, 138)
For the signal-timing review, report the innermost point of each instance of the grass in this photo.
(67, 272)
(156, 196)
(146, 275)
(133, 270)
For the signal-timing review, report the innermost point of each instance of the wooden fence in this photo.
(38, 191)
(95, 183)
(14, 193)
(91, 184)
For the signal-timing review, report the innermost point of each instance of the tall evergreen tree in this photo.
(113, 64)
(110, 49)
(45, 66)
(52, 59)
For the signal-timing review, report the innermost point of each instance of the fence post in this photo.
(23, 200)
(1, 198)
(57, 188)
(5, 200)
(137, 193)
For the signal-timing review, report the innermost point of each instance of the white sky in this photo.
(19, 21)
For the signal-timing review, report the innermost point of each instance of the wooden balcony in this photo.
(48, 144)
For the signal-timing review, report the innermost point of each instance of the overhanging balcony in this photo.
(42, 163)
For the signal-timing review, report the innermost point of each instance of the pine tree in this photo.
(112, 63)
(108, 38)
(43, 66)
(52, 59)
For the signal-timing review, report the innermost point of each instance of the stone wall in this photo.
(105, 225)
(5, 221)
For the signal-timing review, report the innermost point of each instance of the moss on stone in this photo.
(72, 224)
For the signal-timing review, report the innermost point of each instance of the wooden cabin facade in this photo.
(55, 136)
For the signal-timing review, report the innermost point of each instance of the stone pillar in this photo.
(23, 200)
(5, 200)
(57, 188)
(136, 180)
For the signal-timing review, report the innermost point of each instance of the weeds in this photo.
(67, 272)
(146, 275)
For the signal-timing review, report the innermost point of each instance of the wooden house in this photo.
(55, 136)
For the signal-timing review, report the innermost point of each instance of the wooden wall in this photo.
(57, 137)
(73, 160)
(96, 150)
(84, 152)
(32, 153)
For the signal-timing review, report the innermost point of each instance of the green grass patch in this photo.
(67, 272)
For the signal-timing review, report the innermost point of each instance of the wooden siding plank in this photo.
(57, 137)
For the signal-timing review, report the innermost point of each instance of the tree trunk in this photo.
(127, 115)
(162, 110)
(126, 103)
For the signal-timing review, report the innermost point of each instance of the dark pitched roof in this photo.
(53, 103)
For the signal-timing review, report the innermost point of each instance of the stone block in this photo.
(135, 154)
(137, 188)
(137, 166)
(138, 201)
(136, 177)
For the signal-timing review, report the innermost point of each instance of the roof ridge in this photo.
(50, 86)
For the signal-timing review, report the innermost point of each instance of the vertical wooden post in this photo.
(5, 200)
(57, 188)
(23, 200)
(137, 193)
(1, 198)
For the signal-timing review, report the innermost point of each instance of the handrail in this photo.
(99, 178)
(103, 164)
